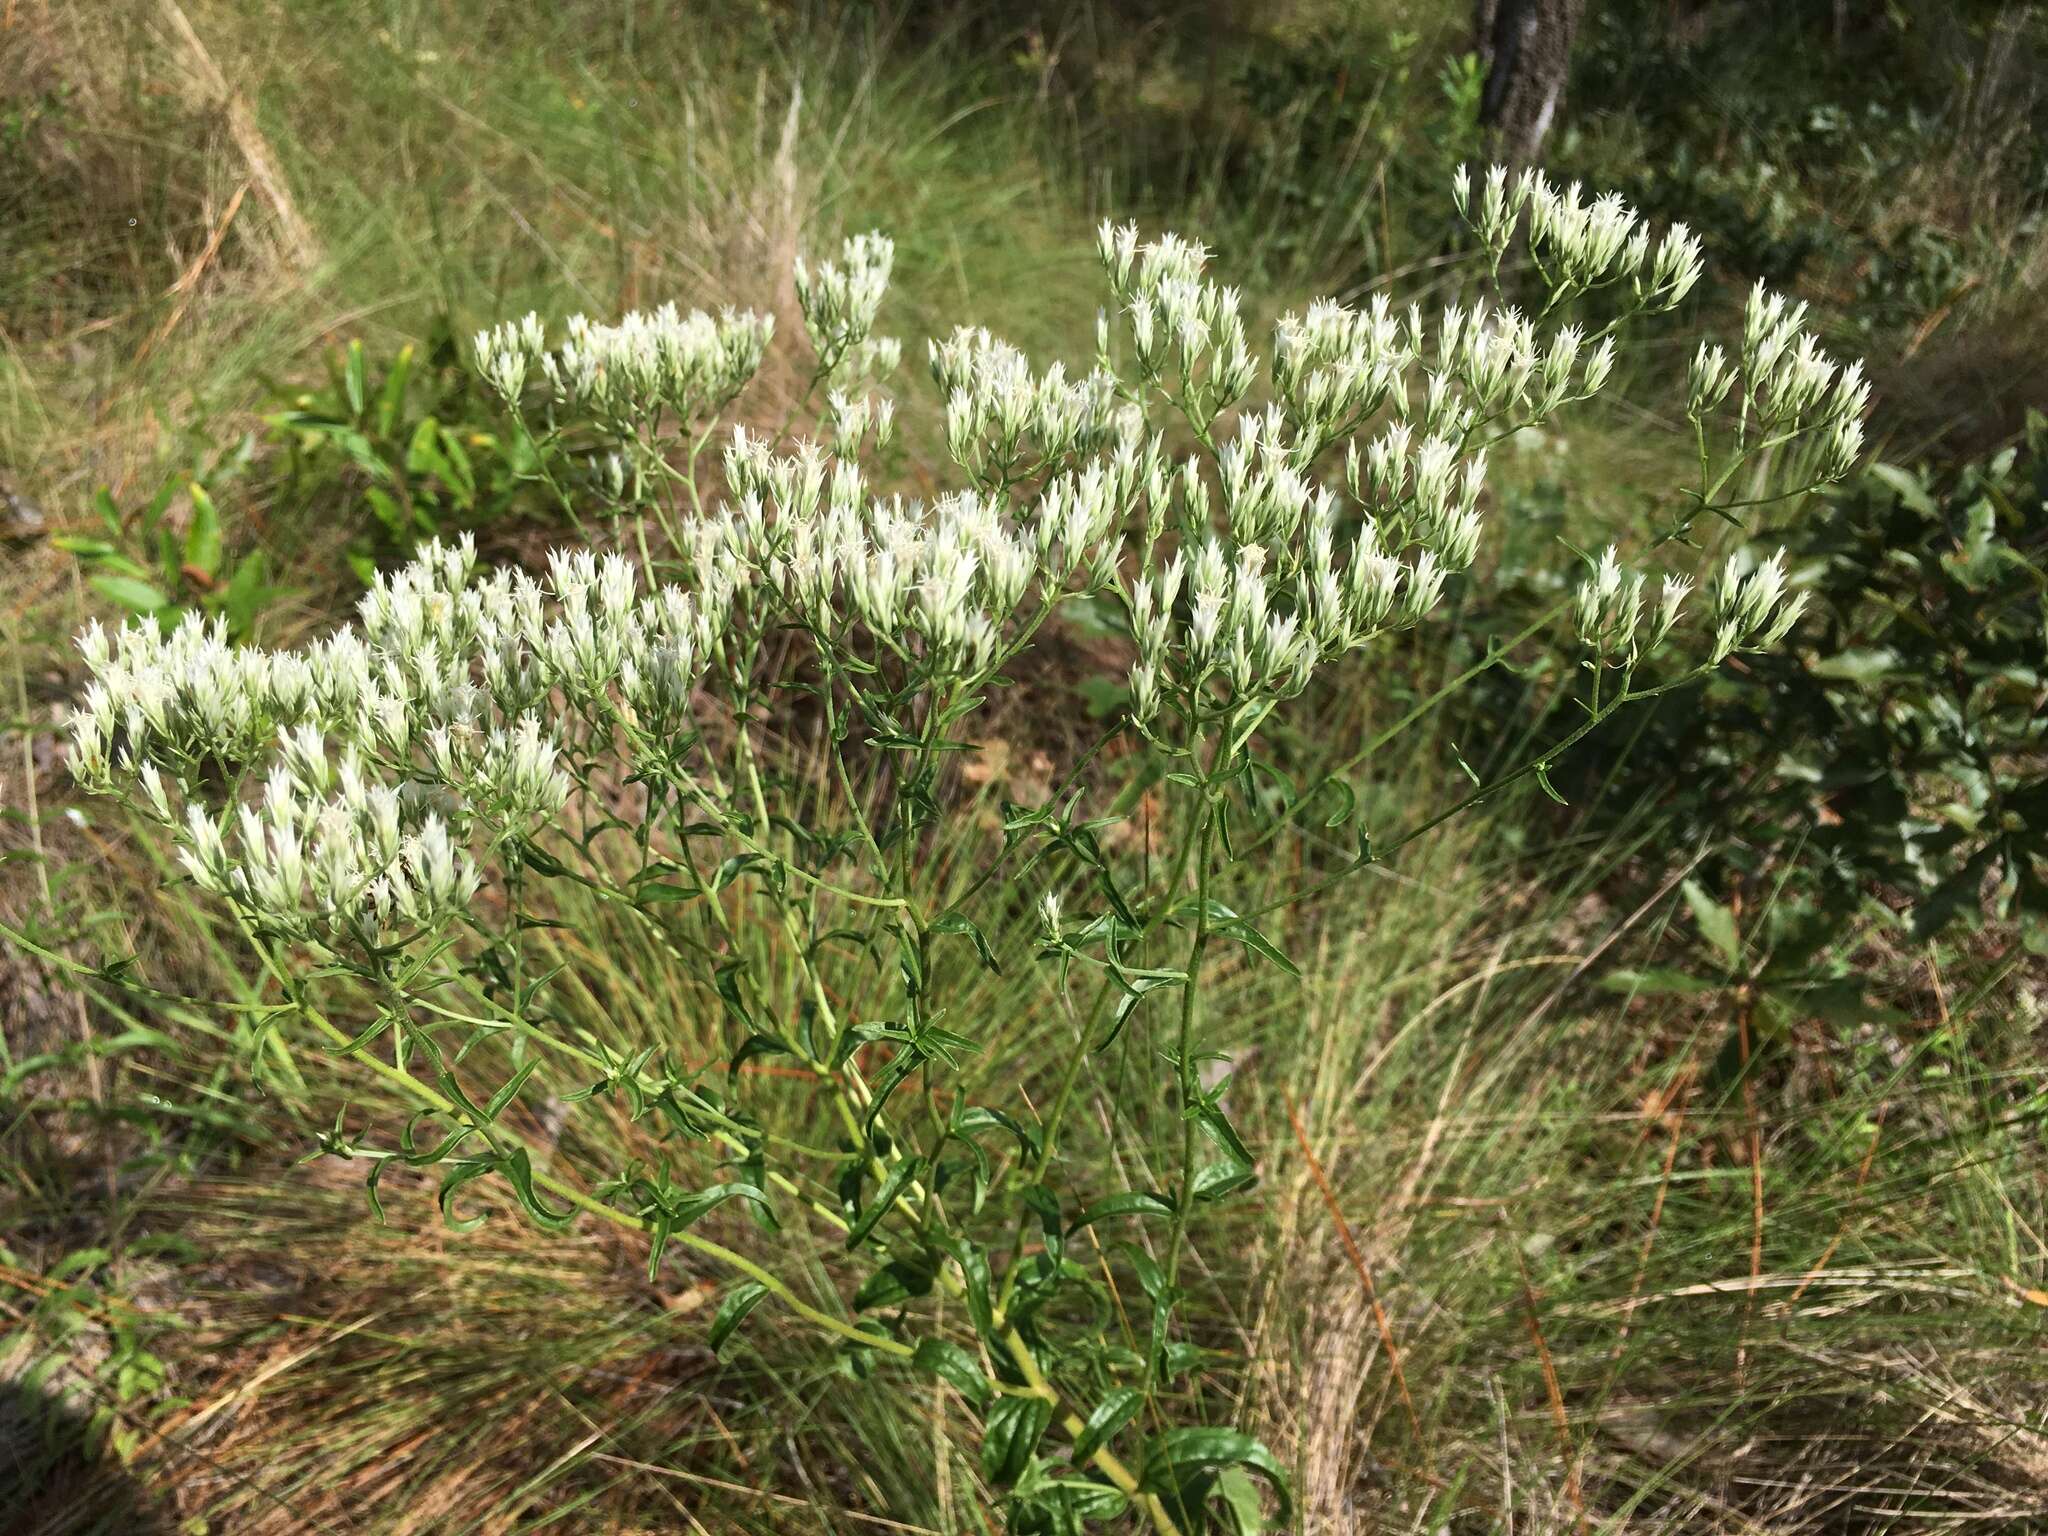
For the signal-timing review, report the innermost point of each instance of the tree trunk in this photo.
(1525, 47)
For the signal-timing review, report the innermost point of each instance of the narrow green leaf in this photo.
(759, 1045)
(1226, 924)
(732, 1311)
(975, 1119)
(1110, 1415)
(1132, 1202)
(961, 923)
(352, 378)
(510, 1091)
(519, 1172)
(885, 1198)
(465, 1172)
(392, 395)
(1658, 982)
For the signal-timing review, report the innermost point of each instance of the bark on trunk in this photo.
(1525, 47)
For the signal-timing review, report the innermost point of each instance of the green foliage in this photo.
(75, 1310)
(1896, 149)
(638, 996)
(151, 564)
(1335, 127)
(411, 445)
(1893, 759)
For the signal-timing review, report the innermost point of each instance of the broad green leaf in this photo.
(1239, 1496)
(459, 475)
(1181, 1455)
(1906, 486)
(953, 1365)
(135, 596)
(84, 548)
(245, 594)
(1010, 1436)
(1109, 1416)
(974, 1269)
(423, 454)
(885, 1197)
(386, 511)
(1862, 666)
(897, 1281)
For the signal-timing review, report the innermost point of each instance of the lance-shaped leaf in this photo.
(885, 1198)
(732, 1311)
(1226, 924)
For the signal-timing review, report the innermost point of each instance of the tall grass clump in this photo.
(730, 748)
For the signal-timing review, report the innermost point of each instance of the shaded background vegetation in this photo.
(1689, 1131)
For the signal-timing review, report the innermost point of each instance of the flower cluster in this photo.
(690, 364)
(353, 795)
(1333, 365)
(1335, 369)
(1179, 318)
(1424, 492)
(441, 718)
(1608, 609)
(1753, 609)
(1790, 387)
(854, 423)
(1578, 245)
(450, 715)
(1005, 423)
(840, 301)
(937, 585)
(1260, 633)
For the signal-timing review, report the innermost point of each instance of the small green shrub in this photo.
(393, 812)
(154, 566)
(414, 442)
(1892, 761)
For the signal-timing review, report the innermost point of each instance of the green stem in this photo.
(1190, 1001)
